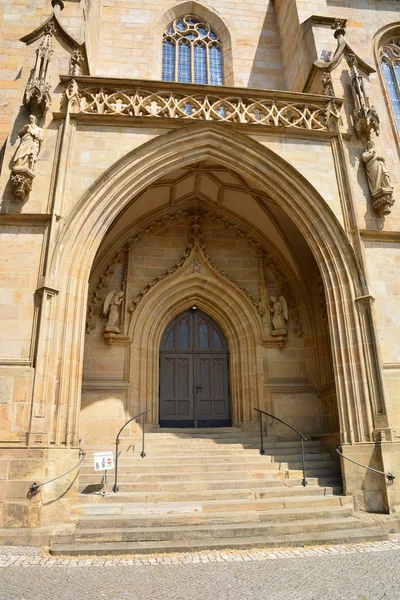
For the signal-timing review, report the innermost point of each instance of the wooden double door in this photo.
(194, 376)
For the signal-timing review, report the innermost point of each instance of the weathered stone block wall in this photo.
(136, 30)
(21, 467)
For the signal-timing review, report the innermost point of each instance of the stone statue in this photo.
(31, 138)
(22, 174)
(378, 180)
(279, 312)
(111, 308)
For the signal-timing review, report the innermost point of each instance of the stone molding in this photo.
(220, 299)
(58, 29)
(166, 100)
(195, 239)
(354, 335)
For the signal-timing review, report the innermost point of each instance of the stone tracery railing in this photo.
(273, 109)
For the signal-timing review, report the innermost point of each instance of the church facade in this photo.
(200, 216)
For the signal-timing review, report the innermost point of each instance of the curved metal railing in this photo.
(302, 437)
(34, 487)
(142, 454)
(390, 476)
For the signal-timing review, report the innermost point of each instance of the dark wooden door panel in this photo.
(194, 384)
(211, 383)
(176, 385)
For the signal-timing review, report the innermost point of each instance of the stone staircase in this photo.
(211, 489)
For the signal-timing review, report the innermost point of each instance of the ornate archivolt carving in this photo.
(23, 169)
(197, 106)
(196, 256)
(119, 258)
(322, 297)
(195, 240)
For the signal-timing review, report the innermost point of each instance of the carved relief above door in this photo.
(194, 376)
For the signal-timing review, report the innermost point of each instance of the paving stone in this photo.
(355, 572)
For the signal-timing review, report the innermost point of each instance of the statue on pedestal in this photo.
(379, 181)
(31, 136)
(280, 316)
(111, 308)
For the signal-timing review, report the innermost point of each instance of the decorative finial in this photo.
(57, 5)
(75, 63)
(339, 27)
(327, 83)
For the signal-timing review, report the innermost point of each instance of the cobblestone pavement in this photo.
(368, 571)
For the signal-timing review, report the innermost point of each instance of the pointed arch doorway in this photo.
(194, 373)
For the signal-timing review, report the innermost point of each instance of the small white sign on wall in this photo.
(103, 461)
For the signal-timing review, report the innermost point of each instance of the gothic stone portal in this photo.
(194, 384)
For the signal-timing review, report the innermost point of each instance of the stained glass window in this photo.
(168, 61)
(215, 65)
(200, 63)
(390, 64)
(217, 341)
(184, 61)
(184, 333)
(191, 53)
(203, 333)
(169, 343)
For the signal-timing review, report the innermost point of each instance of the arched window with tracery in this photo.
(390, 65)
(191, 52)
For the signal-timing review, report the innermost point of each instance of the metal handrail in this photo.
(303, 439)
(390, 476)
(34, 487)
(142, 454)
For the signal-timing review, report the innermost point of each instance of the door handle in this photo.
(198, 388)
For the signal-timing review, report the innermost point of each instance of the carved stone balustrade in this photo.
(165, 100)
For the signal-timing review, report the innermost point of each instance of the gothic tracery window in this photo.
(390, 65)
(191, 53)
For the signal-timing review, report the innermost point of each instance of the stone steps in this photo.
(190, 494)
(198, 532)
(198, 490)
(232, 456)
(213, 484)
(216, 475)
(212, 452)
(123, 502)
(206, 467)
(100, 521)
(273, 541)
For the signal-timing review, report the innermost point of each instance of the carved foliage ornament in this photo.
(195, 239)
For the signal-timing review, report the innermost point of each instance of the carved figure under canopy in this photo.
(111, 308)
(280, 315)
(378, 179)
(31, 136)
